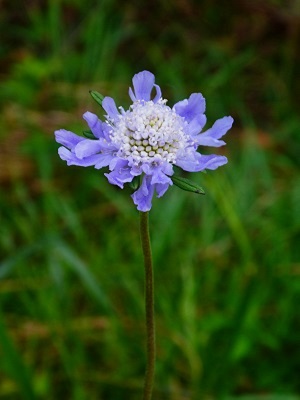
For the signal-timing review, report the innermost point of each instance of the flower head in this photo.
(147, 140)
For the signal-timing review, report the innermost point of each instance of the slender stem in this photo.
(149, 305)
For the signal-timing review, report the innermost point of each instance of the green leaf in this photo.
(186, 184)
(135, 183)
(89, 135)
(97, 97)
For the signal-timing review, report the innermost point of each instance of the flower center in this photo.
(149, 132)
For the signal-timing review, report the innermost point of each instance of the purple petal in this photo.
(159, 177)
(164, 168)
(116, 162)
(192, 107)
(110, 107)
(94, 124)
(147, 168)
(187, 161)
(119, 178)
(131, 94)
(194, 161)
(158, 94)
(196, 125)
(106, 131)
(208, 141)
(220, 127)
(168, 169)
(143, 83)
(67, 138)
(136, 170)
(161, 188)
(211, 162)
(87, 147)
(142, 198)
(121, 174)
(211, 136)
(104, 160)
(71, 158)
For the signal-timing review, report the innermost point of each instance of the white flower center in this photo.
(149, 132)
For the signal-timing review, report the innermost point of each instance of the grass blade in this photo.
(13, 364)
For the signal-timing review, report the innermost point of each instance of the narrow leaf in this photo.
(186, 184)
(97, 97)
(135, 183)
(89, 135)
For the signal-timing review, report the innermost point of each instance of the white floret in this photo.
(148, 132)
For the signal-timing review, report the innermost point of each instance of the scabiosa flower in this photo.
(147, 140)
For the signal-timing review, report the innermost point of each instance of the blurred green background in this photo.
(226, 264)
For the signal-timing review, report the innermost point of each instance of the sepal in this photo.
(186, 184)
(97, 97)
(89, 135)
(135, 183)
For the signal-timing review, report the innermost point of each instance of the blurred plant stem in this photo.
(149, 305)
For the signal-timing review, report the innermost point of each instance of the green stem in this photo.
(149, 305)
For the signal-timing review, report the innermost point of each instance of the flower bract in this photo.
(147, 140)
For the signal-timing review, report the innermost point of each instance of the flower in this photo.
(147, 140)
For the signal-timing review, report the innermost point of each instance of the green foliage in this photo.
(226, 264)
(97, 97)
(186, 184)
